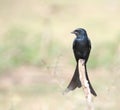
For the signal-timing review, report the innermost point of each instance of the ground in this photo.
(32, 88)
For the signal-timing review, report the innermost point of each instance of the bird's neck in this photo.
(81, 37)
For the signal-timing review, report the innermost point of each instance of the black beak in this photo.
(73, 32)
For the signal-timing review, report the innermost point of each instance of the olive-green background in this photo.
(36, 57)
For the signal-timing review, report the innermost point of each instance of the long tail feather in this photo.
(91, 88)
(75, 82)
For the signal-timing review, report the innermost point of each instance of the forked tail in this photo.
(75, 82)
(91, 88)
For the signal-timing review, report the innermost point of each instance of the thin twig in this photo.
(85, 84)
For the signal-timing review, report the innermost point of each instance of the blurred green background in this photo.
(36, 57)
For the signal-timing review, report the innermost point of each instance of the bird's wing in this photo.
(89, 49)
(74, 49)
(89, 43)
(74, 44)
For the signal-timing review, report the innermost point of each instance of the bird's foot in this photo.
(82, 61)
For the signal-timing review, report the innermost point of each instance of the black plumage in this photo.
(81, 49)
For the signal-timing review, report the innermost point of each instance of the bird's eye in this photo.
(76, 32)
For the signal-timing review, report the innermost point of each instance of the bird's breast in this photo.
(81, 48)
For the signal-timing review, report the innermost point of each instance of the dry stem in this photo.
(85, 84)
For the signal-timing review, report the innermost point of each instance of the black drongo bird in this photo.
(81, 49)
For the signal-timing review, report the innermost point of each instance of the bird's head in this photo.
(79, 31)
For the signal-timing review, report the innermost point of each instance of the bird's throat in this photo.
(81, 37)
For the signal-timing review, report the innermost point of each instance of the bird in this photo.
(81, 49)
